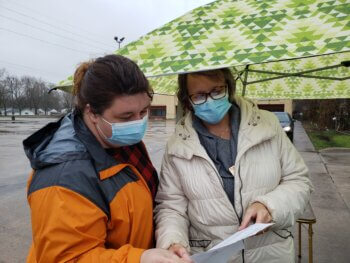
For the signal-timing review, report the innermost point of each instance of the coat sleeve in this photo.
(172, 222)
(289, 199)
(67, 227)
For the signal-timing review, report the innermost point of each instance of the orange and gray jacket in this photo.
(85, 206)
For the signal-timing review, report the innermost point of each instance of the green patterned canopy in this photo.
(284, 88)
(316, 85)
(283, 36)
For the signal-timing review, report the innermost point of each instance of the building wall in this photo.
(288, 104)
(170, 101)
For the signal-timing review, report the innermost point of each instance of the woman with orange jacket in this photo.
(92, 187)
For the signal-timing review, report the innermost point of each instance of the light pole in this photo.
(119, 41)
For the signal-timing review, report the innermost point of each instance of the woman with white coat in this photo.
(228, 165)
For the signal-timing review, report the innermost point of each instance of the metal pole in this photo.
(302, 74)
(119, 41)
(299, 252)
(310, 244)
(245, 80)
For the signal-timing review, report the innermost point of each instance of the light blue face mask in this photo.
(127, 133)
(212, 111)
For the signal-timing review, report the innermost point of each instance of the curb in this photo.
(335, 150)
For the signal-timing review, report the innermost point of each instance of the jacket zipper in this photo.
(240, 193)
(220, 180)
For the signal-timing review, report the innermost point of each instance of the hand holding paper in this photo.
(224, 250)
(256, 212)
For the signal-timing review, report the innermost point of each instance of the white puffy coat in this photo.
(194, 209)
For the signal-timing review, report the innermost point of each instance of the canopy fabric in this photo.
(300, 87)
(285, 88)
(66, 85)
(228, 33)
(283, 36)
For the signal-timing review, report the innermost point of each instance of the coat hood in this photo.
(254, 129)
(55, 143)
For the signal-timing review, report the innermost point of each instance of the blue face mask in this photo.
(127, 133)
(212, 111)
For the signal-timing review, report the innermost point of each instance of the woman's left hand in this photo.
(257, 213)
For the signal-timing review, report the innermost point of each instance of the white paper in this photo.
(220, 255)
(233, 244)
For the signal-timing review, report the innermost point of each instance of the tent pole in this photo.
(299, 74)
(245, 80)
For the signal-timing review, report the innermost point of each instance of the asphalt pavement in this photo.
(15, 227)
(329, 172)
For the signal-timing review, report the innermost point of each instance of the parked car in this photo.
(286, 122)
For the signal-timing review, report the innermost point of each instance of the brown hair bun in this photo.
(98, 82)
(79, 76)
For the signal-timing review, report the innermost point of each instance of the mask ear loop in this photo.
(101, 132)
(106, 121)
(98, 126)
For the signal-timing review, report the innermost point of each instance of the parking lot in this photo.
(329, 172)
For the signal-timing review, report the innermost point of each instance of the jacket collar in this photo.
(68, 139)
(104, 163)
(252, 131)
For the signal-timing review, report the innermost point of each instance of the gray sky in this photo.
(47, 39)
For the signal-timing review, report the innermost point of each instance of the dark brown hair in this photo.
(98, 82)
(223, 73)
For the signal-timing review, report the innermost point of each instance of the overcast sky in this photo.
(47, 39)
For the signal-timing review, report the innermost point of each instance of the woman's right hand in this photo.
(157, 255)
(181, 252)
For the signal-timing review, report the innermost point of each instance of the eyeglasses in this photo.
(217, 93)
(150, 93)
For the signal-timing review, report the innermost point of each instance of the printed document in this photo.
(231, 245)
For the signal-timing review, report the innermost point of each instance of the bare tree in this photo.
(67, 100)
(4, 92)
(30, 92)
(326, 113)
(55, 98)
(44, 104)
(33, 92)
(15, 88)
(50, 100)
